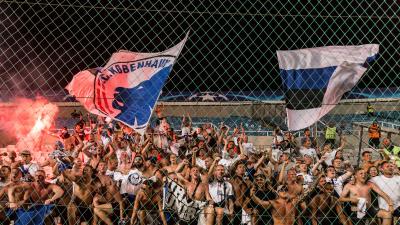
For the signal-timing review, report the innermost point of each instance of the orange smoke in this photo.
(26, 120)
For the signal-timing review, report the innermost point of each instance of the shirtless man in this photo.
(5, 181)
(367, 160)
(39, 192)
(283, 208)
(60, 209)
(125, 163)
(82, 196)
(173, 164)
(42, 191)
(12, 162)
(294, 189)
(240, 186)
(149, 167)
(323, 206)
(15, 179)
(197, 190)
(361, 191)
(107, 200)
(5, 178)
(147, 202)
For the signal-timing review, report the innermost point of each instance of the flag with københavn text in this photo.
(127, 88)
(315, 79)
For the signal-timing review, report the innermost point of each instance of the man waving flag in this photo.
(127, 87)
(315, 79)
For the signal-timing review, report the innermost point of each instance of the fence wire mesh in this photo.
(231, 151)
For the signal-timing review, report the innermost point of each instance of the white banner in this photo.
(175, 199)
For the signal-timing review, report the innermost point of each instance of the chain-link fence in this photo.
(219, 135)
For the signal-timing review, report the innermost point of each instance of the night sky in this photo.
(232, 44)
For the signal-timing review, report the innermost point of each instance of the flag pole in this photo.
(316, 133)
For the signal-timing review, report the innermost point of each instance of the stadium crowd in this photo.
(106, 173)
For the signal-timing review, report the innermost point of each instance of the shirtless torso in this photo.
(147, 202)
(326, 208)
(82, 196)
(283, 209)
(196, 190)
(361, 190)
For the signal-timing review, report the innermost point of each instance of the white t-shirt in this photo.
(248, 148)
(227, 163)
(329, 157)
(131, 182)
(161, 141)
(106, 140)
(186, 131)
(308, 179)
(110, 173)
(119, 151)
(31, 168)
(277, 139)
(221, 191)
(201, 163)
(309, 151)
(337, 183)
(174, 147)
(391, 186)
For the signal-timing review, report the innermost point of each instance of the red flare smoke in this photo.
(26, 120)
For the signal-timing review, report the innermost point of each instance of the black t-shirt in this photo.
(264, 195)
(250, 173)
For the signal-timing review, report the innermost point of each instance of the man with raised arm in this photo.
(80, 207)
(240, 189)
(15, 180)
(197, 189)
(390, 184)
(283, 208)
(148, 205)
(326, 208)
(108, 203)
(359, 194)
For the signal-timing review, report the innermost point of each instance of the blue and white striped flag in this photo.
(315, 79)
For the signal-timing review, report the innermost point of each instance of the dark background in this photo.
(232, 44)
